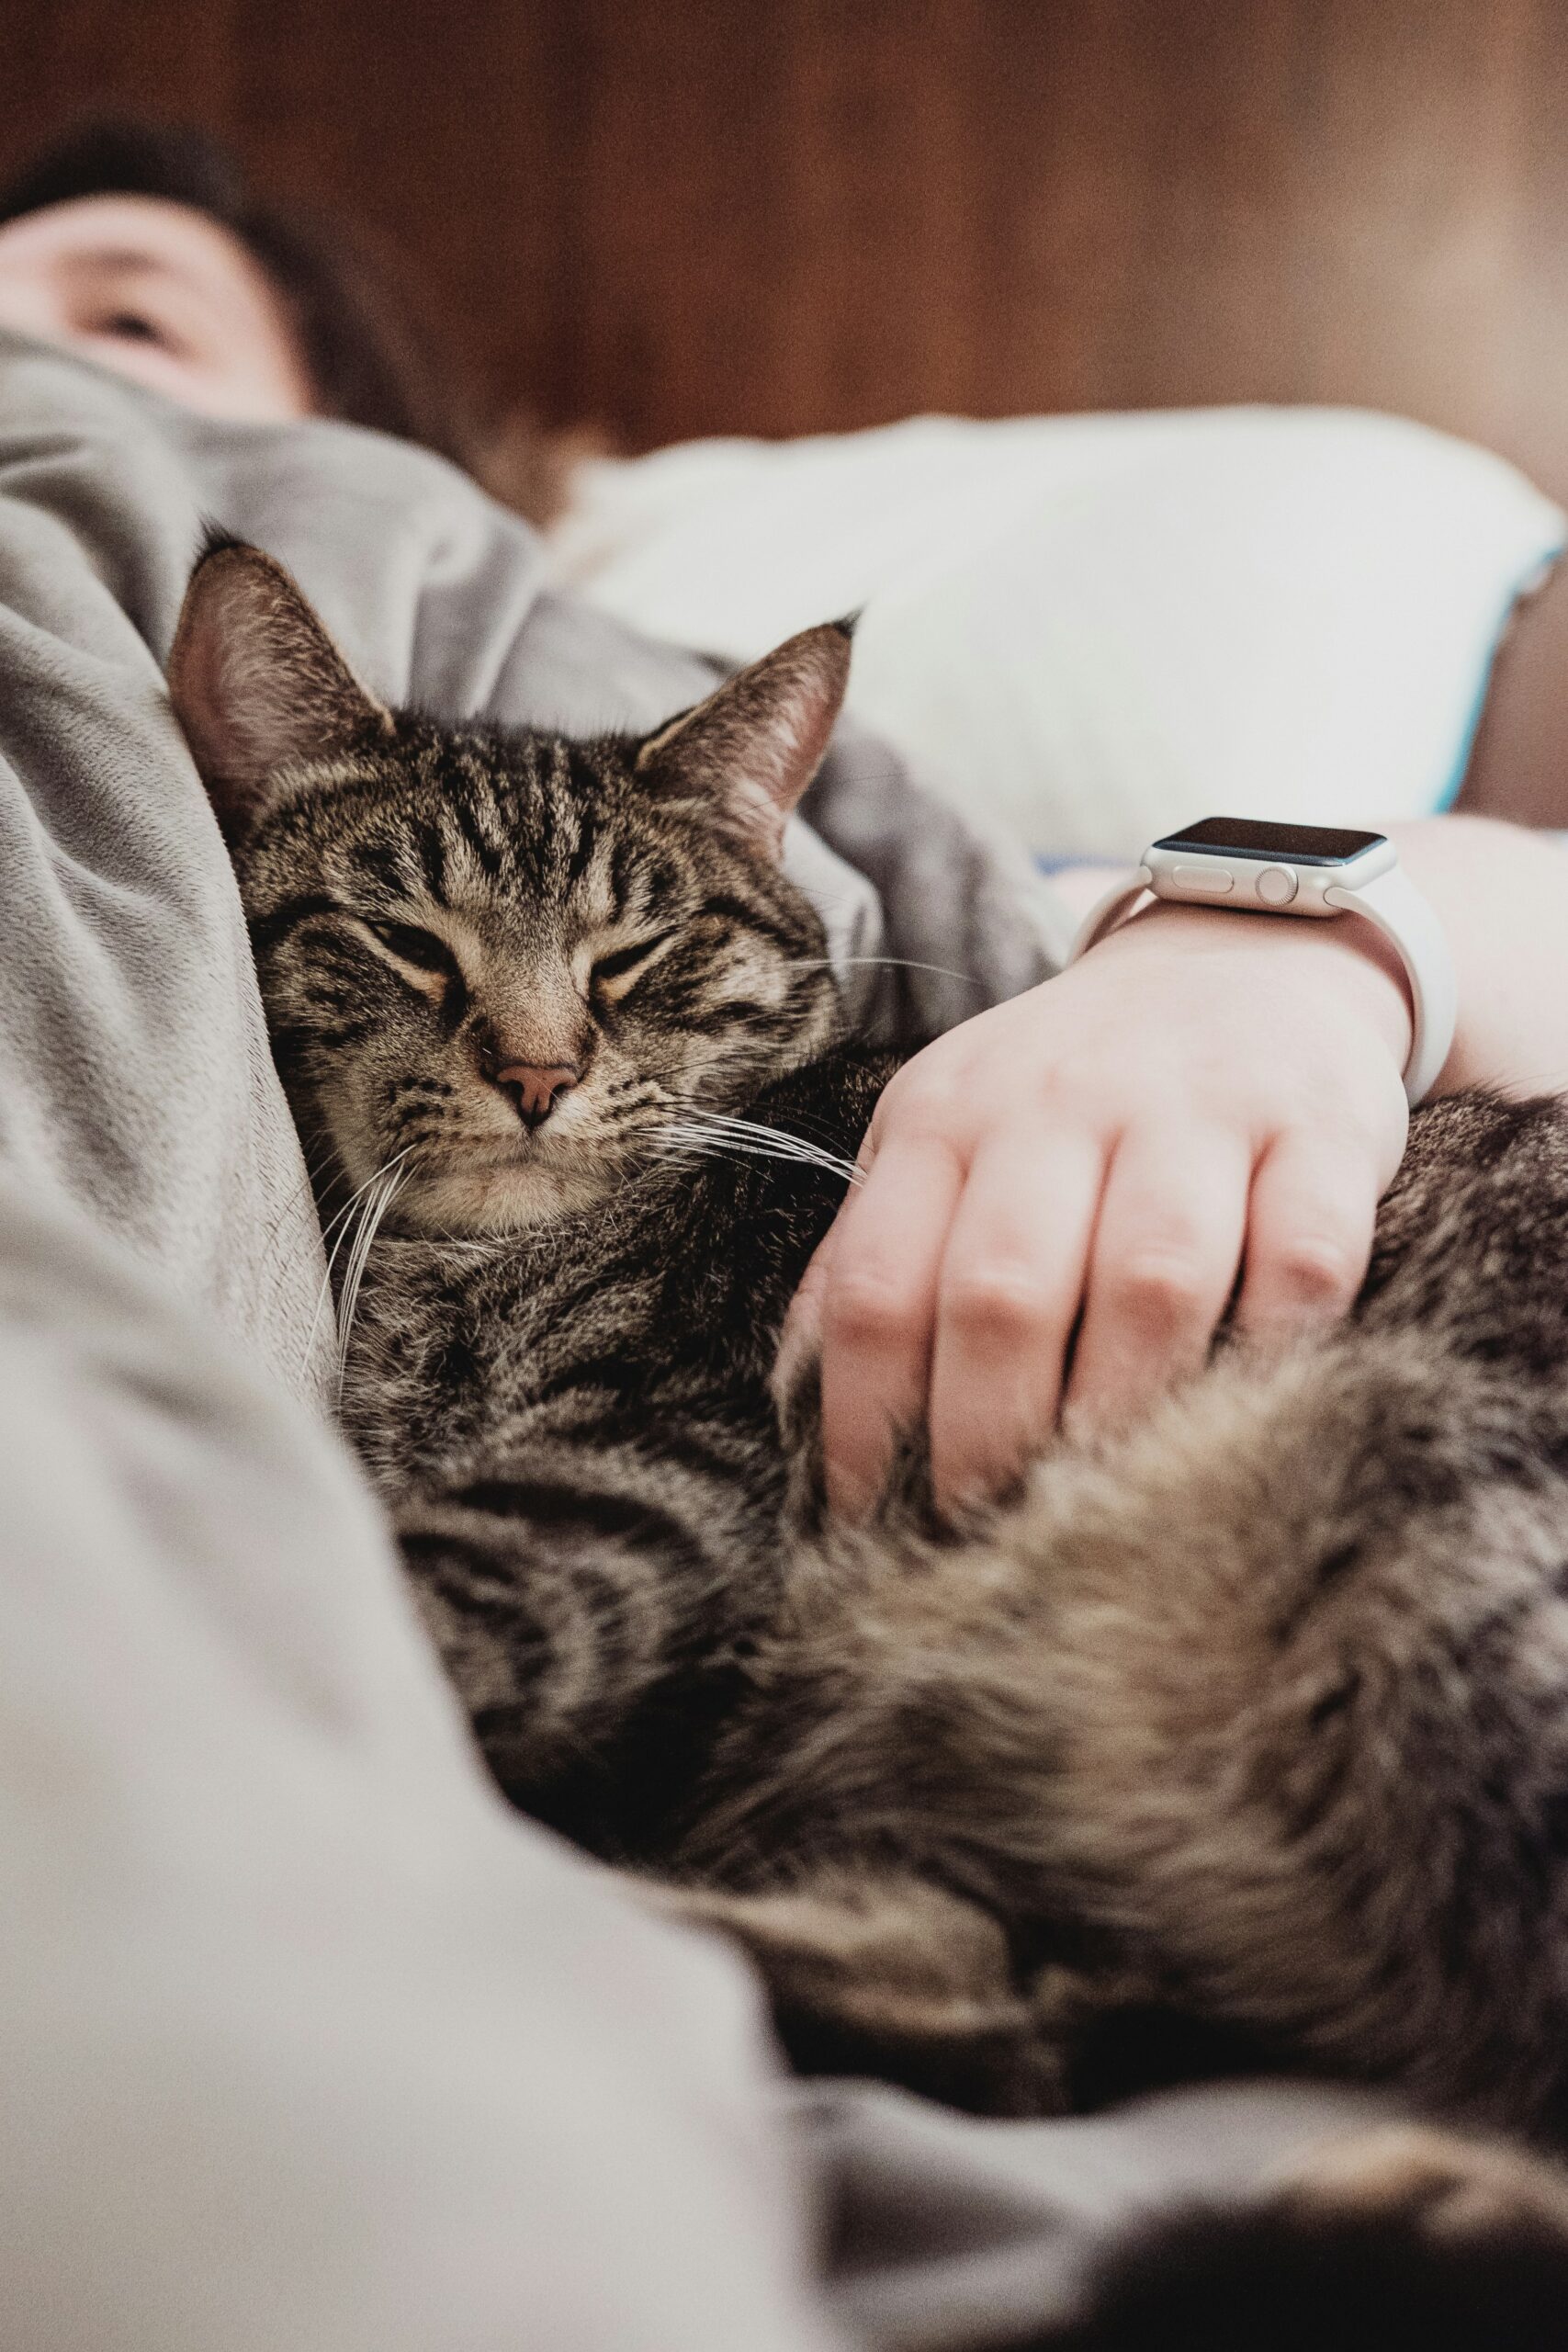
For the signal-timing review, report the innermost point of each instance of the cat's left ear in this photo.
(257, 683)
(748, 753)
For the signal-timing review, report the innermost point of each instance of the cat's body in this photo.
(1259, 1715)
(1246, 1732)
(595, 1392)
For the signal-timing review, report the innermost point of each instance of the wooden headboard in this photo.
(680, 217)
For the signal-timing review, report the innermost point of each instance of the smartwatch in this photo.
(1313, 870)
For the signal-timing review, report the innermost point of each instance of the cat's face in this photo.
(503, 968)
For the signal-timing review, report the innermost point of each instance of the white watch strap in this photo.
(1408, 924)
(1108, 910)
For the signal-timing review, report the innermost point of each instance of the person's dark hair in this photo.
(368, 358)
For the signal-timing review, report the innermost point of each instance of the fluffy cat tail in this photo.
(1265, 1705)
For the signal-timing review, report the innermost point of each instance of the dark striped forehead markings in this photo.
(563, 785)
(430, 840)
(580, 849)
(526, 815)
(623, 862)
(562, 820)
(599, 807)
(383, 863)
(482, 839)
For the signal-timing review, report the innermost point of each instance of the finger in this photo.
(1309, 1235)
(1166, 1246)
(802, 1333)
(877, 1305)
(1010, 1281)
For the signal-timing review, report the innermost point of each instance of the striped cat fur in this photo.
(1242, 1738)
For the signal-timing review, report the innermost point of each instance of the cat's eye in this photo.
(420, 949)
(622, 964)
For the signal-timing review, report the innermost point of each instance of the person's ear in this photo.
(746, 754)
(257, 684)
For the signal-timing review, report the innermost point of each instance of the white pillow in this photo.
(1099, 627)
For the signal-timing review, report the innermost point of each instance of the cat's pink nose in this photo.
(536, 1090)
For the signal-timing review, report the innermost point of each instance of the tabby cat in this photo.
(1243, 1736)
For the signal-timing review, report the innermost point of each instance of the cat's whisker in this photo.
(273, 1261)
(382, 1191)
(773, 1144)
(340, 1221)
(801, 1130)
(729, 1124)
(893, 963)
(317, 1182)
(716, 1136)
(291, 1201)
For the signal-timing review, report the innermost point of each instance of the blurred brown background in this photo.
(680, 217)
(785, 216)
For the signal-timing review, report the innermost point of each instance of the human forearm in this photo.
(1061, 1197)
(1502, 895)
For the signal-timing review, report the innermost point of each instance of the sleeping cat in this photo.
(1244, 1737)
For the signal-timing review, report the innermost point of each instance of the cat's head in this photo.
(502, 964)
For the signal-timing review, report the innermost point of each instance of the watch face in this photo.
(1244, 837)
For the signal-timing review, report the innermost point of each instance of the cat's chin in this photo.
(499, 1200)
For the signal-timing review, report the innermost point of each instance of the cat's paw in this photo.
(1401, 2239)
(1451, 2189)
(888, 1975)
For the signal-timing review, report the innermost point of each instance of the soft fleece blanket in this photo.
(305, 2041)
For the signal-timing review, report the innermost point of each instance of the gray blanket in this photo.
(305, 2042)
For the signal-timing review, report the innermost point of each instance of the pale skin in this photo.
(159, 293)
(1061, 1196)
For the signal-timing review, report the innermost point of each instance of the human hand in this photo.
(1202, 1093)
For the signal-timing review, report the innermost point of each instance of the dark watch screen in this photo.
(1245, 837)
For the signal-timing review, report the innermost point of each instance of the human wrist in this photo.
(1348, 957)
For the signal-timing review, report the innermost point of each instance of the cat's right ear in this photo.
(256, 681)
(745, 755)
